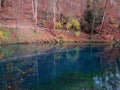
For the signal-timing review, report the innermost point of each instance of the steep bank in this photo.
(19, 20)
(43, 35)
(13, 36)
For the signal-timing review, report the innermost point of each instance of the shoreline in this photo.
(23, 36)
(26, 50)
(63, 42)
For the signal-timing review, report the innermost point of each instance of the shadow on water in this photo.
(59, 67)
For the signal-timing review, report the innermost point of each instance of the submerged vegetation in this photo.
(68, 67)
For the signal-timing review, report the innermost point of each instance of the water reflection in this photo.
(59, 67)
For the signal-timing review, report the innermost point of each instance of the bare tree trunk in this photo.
(54, 12)
(34, 10)
(2, 3)
(104, 14)
(22, 7)
(81, 9)
(103, 19)
(93, 23)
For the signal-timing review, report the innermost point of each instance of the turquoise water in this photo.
(59, 67)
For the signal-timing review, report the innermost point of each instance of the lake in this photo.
(59, 67)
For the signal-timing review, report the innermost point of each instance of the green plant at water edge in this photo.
(5, 35)
(8, 51)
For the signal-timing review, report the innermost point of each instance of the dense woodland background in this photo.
(90, 16)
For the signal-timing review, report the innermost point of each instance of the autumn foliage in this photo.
(89, 16)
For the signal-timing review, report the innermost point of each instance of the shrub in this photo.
(72, 20)
(77, 33)
(4, 35)
(73, 24)
(43, 23)
(114, 23)
(76, 25)
(68, 26)
(1, 35)
(58, 25)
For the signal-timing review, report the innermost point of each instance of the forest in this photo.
(59, 44)
(29, 21)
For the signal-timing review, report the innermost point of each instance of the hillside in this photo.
(26, 21)
(22, 11)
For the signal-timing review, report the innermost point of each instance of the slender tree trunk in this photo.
(81, 10)
(104, 15)
(93, 23)
(34, 10)
(22, 7)
(54, 12)
(2, 3)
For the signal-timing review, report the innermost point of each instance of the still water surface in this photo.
(59, 67)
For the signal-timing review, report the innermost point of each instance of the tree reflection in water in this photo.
(110, 80)
(78, 67)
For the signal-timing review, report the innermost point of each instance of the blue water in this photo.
(59, 67)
